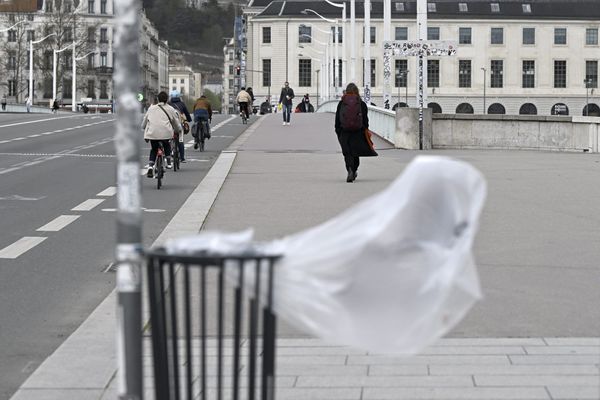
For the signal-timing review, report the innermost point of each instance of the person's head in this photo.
(286, 84)
(352, 89)
(174, 94)
(248, 89)
(163, 97)
(243, 88)
(203, 96)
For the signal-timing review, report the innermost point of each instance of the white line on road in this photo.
(87, 205)
(109, 191)
(21, 246)
(58, 223)
(36, 121)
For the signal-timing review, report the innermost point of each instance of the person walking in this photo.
(160, 123)
(285, 99)
(28, 104)
(351, 127)
(3, 101)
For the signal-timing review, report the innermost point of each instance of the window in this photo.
(373, 35)
(496, 74)
(560, 35)
(400, 72)
(373, 73)
(103, 35)
(182, 81)
(90, 61)
(591, 74)
(102, 11)
(497, 36)
(433, 33)
(528, 35)
(68, 60)
(462, 7)
(433, 73)
(266, 75)
(464, 35)
(560, 74)
(174, 88)
(399, 7)
(103, 89)
(182, 90)
(591, 36)
(401, 33)
(90, 7)
(12, 87)
(12, 35)
(91, 35)
(266, 34)
(230, 72)
(48, 59)
(49, 6)
(48, 88)
(304, 34)
(68, 34)
(30, 17)
(67, 89)
(431, 7)
(528, 74)
(103, 59)
(304, 73)
(340, 36)
(526, 8)
(91, 89)
(30, 35)
(464, 73)
(12, 60)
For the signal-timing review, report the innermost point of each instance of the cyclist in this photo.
(202, 114)
(159, 124)
(184, 115)
(244, 99)
(251, 105)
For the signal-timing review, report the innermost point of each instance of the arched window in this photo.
(401, 104)
(496, 108)
(528, 109)
(464, 108)
(591, 110)
(559, 109)
(435, 108)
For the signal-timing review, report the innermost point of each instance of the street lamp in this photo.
(31, 43)
(10, 27)
(588, 83)
(74, 87)
(344, 38)
(335, 43)
(54, 62)
(484, 85)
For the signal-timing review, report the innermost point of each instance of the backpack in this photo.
(351, 113)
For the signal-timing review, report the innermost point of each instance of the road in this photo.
(57, 206)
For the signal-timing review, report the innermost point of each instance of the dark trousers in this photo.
(287, 111)
(166, 146)
(352, 162)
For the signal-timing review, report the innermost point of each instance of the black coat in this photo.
(354, 143)
(286, 92)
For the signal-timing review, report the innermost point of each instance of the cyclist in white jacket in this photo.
(160, 122)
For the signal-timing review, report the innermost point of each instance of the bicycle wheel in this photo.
(159, 170)
(175, 145)
(202, 136)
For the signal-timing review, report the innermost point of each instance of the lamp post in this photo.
(73, 61)
(325, 64)
(484, 86)
(54, 66)
(10, 27)
(31, 43)
(405, 73)
(74, 87)
(335, 60)
(344, 38)
(367, 52)
(587, 83)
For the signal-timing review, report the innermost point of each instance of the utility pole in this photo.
(484, 87)
(129, 215)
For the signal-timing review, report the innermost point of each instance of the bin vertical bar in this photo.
(165, 327)
(188, 332)
(174, 344)
(253, 326)
(268, 375)
(157, 320)
(221, 315)
(203, 330)
(239, 291)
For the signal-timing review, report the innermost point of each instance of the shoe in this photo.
(150, 172)
(283, 123)
(196, 146)
(288, 124)
(183, 161)
(169, 164)
(350, 177)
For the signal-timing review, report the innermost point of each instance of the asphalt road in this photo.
(57, 206)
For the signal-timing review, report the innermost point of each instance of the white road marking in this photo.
(222, 136)
(87, 205)
(150, 210)
(36, 121)
(32, 136)
(21, 198)
(56, 131)
(58, 223)
(109, 191)
(21, 246)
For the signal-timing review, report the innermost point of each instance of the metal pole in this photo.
(353, 41)
(336, 60)
(344, 44)
(129, 216)
(73, 78)
(318, 88)
(31, 71)
(406, 87)
(587, 100)
(53, 77)
(484, 87)
(367, 51)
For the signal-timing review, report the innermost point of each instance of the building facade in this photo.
(184, 80)
(514, 57)
(91, 27)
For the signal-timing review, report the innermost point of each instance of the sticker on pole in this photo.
(128, 183)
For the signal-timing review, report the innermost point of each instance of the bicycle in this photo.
(175, 151)
(159, 165)
(243, 115)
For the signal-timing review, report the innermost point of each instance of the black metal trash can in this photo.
(187, 339)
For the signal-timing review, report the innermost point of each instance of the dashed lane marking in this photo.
(36, 121)
(87, 205)
(21, 246)
(109, 191)
(148, 210)
(55, 131)
(58, 223)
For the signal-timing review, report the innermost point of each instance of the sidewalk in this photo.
(534, 336)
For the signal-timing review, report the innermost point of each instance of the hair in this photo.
(352, 89)
(286, 83)
(203, 96)
(243, 88)
(163, 97)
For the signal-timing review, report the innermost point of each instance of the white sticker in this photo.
(128, 183)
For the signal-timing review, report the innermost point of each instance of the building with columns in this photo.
(516, 57)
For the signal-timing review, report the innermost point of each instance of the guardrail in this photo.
(382, 122)
(21, 108)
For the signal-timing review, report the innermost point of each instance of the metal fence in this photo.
(193, 347)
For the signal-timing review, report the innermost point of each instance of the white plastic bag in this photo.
(393, 273)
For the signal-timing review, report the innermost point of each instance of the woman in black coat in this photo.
(350, 129)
